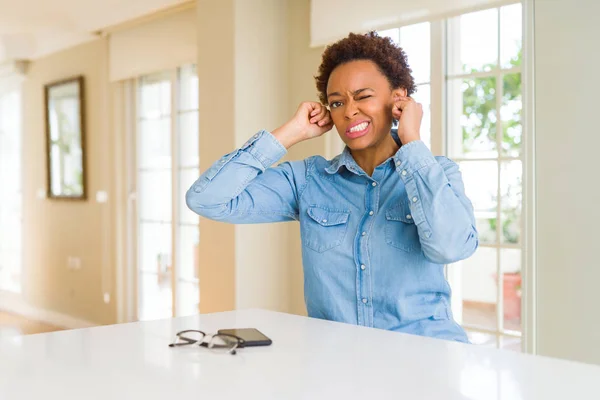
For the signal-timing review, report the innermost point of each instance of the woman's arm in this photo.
(243, 187)
(442, 212)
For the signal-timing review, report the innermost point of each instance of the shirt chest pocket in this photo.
(324, 229)
(400, 229)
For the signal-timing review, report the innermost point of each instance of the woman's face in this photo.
(360, 100)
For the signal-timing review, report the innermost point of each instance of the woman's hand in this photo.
(409, 113)
(311, 120)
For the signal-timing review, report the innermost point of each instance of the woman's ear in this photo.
(400, 92)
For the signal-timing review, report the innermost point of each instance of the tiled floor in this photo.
(15, 325)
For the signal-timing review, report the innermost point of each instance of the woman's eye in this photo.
(364, 97)
(335, 104)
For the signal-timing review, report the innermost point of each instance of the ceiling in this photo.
(30, 29)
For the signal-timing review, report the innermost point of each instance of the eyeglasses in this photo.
(221, 342)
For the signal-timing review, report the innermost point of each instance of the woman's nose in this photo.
(351, 110)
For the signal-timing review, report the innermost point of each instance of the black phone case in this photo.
(250, 343)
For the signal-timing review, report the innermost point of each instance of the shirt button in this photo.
(364, 301)
(404, 173)
(398, 163)
(374, 184)
(364, 233)
(363, 267)
(256, 135)
(324, 220)
(371, 213)
(409, 216)
(414, 199)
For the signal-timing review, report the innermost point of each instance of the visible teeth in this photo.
(359, 127)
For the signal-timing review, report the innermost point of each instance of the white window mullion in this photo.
(528, 223)
(438, 68)
(174, 188)
(500, 280)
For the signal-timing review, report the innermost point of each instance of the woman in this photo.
(379, 221)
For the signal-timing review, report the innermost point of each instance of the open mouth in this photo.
(358, 130)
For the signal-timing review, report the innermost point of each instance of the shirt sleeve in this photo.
(440, 208)
(243, 186)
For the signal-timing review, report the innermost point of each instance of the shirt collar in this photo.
(345, 159)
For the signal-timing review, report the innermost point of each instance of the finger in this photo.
(329, 126)
(317, 108)
(397, 108)
(401, 105)
(325, 121)
(323, 112)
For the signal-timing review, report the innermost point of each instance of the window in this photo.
(480, 89)
(10, 195)
(484, 135)
(167, 164)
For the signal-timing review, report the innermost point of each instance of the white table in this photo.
(309, 359)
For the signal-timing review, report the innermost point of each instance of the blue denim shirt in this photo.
(373, 247)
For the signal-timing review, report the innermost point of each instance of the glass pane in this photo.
(155, 195)
(155, 143)
(511, 33)
(510, 343)
(481, 186)
(188, 298)
(393, 34)
(189, 237)
(188, 88)
(188, 140)
(414, 39)
(155, 96)
(187, 177)
(512, 104)
(479, 289)
(482, 339)
(477, 34)
(155, 247)
(55, 170)
(472, 118)
(423, 96)
(511, 179)
(156, 299)
(510, 263)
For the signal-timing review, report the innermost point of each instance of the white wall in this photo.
(567, 87)
(303, 65)
(243, 77)
(261, 94)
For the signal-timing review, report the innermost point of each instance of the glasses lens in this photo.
(190, 336)
(222, 343)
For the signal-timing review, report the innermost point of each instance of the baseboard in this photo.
(14, 304)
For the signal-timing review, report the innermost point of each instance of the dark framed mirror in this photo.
(65, 139)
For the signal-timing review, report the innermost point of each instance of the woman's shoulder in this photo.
(314, 162)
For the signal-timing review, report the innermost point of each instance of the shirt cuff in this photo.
(411, 157)
(265, 148)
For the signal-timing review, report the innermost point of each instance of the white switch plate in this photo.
(101, 196)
